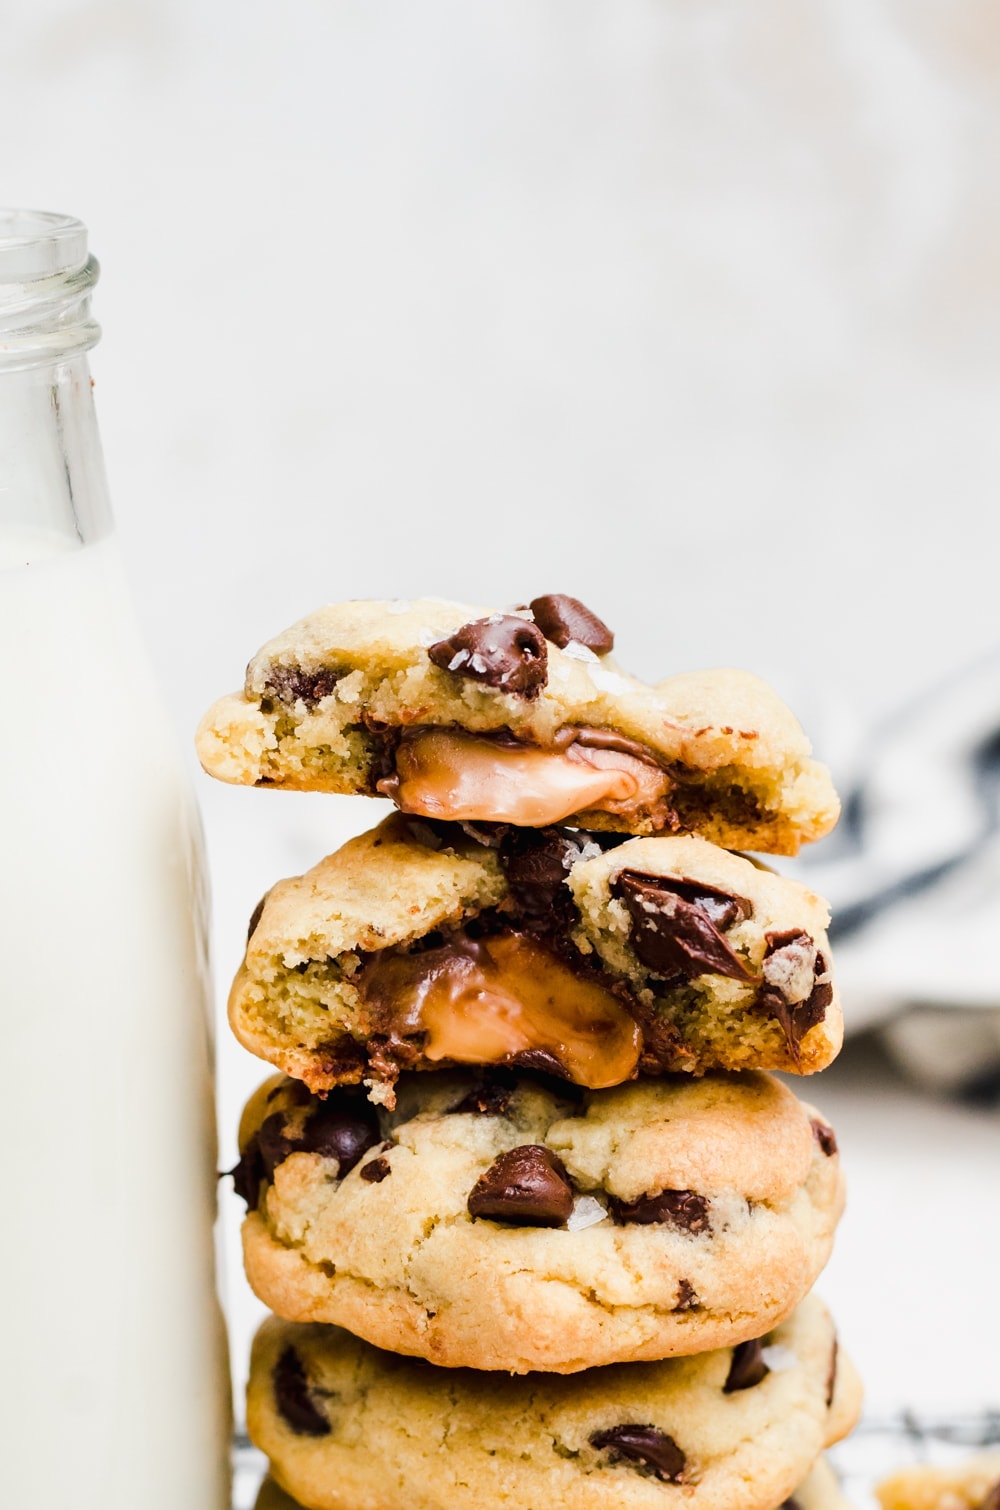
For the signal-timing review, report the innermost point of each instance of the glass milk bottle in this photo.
(113, 1381)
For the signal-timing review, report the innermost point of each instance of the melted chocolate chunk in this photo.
(992, 1500)
(535, 864)
(663, 1046)
(256, 916)
(593, 738)
(790, 1505)
(795, 1018)
(295, 1400)
(387, 1054)
(831, 1378)
(562, 619)
(679, 1208)
(290, 684)
(344, 1128)
(343, 1059)
(378, 1170)
(747, 1368)
(824, 1135)
(687, 1299)
(676, 926)
(502, 651)
(540, 1060)
(646, 1445)
(527, 1186)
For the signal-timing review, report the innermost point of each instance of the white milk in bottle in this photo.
(113, 1380)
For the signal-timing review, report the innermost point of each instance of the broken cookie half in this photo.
(595, 959)
(520, 717)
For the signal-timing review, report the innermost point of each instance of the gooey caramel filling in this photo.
(446, 773)
(486, 1001)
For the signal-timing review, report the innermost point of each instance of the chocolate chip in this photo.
(378, 1170)
(248, 1175)
(784, 958)
(790, 1505)
(646, 1445)
(676, 926)
(527, 1186)
(273, 1144)
(258, 1160)
(255, 917)
(562, 619)
(503, 651)
(992, 1500)
(342, 1128)
(290, 684)
(489, 1099)
(831, 1378)
(679, 1208)
(824, 1135)
(687, 1299)
(747, 1368)
(295, 1399)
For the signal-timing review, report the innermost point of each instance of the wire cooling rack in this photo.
(881, 1445)
(877, 1447)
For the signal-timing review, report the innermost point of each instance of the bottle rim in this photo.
(46, 278)
(38, 243)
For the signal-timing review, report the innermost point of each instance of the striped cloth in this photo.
(912, 874)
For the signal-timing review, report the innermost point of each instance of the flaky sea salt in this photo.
(779, 1358)
(608, 681)
(399, 605)
(587, 1212)
(578, 652)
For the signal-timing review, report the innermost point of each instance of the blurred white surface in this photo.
(691, 310)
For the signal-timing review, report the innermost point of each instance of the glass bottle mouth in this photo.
(46, 278)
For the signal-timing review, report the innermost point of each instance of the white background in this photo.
(690, 309)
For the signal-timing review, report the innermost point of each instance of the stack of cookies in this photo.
(536, 1225)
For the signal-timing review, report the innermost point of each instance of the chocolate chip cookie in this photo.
(458, 713)
(973, 1485)
(818, 1491)
(423, 944)
(502, 1221)
(346, 1425)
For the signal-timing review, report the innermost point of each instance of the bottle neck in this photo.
(53, 490)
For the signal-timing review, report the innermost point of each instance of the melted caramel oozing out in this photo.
(445, 773)
(484, 1001)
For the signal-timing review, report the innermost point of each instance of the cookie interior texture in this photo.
(421, 944)
(504, 1221)
(972, 1485)
(351, 699)
(343, 1424)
